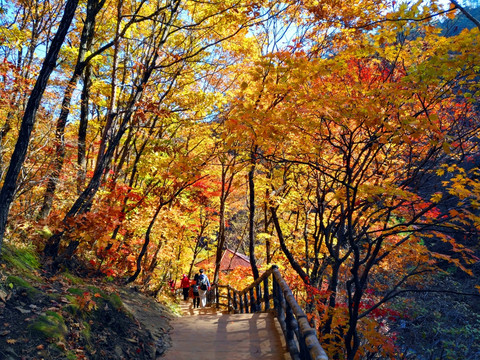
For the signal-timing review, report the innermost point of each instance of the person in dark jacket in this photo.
(195, 295)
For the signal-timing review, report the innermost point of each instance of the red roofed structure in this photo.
(230, 260)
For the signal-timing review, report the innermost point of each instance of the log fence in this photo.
(275, 295)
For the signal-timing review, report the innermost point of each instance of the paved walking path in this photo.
(204, 334)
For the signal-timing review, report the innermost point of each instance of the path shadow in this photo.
(188, 309)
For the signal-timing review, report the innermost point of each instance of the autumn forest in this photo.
(338, 140)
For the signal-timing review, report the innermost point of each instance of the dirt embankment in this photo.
(57, 319)
(151, 315)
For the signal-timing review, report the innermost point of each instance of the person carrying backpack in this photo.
(194, 294)
(203, 287)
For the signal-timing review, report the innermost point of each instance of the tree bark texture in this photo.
(93, 7)
(251, 219)
(18, 157)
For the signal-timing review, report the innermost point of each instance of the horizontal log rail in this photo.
(301, 339)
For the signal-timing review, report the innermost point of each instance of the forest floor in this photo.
(71, 317)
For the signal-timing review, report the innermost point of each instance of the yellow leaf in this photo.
(453, 213)
(452, 13)
(446, 147)
(436, 197)
(11, 341)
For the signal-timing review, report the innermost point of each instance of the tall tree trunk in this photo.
(21, 147)
(3, 135)
(132, 176)
(113, 93)
(221, 228)
(154, 261)
(82, 130)
(227, 181)
(293, 263)
(196, 251)
(93, 7)
(251, 212)
(267, 241)
(84, 200)
(145, 245)
(332, 299)
(267, 221)
(162, 203)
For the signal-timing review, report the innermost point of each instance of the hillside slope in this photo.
(72, 317)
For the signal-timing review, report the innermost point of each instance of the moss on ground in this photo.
(22, 260)
(75, 280)
(21, 285)
(116, 301)
(50, 326)
(75, 291)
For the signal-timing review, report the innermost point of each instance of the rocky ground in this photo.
(68, 317)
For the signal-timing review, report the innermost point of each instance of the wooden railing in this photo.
(301, 339)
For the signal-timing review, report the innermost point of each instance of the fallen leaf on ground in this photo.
(22, 310)
(3, 296)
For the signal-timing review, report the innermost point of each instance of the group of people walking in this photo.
(196, 288)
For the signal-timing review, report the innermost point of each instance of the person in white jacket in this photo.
(203, 287)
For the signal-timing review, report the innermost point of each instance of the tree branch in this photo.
(466, 13)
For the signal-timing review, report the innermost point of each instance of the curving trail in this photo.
(204, 334)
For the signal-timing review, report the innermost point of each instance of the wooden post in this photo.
(291, 322)
(258, 305)
(228, 298)
(241, 303)
(252, 301)
(266, 294)
(304, 330)
(245, 298)
(235, 306)
(276, 299)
